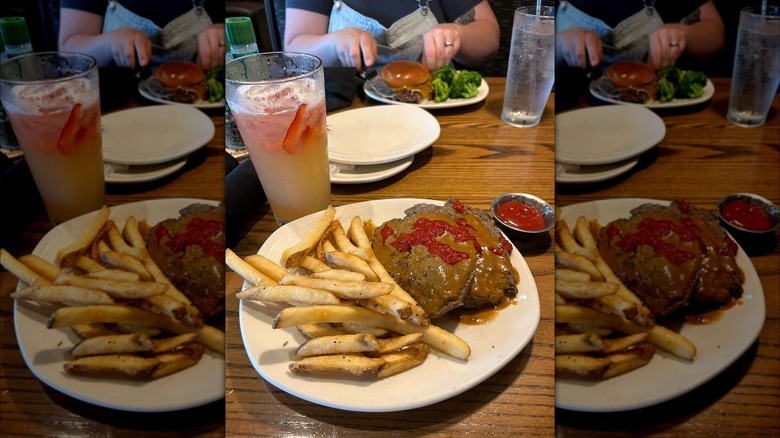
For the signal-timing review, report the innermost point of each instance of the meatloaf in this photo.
(190, 251)
(447, 257)
(673, 257)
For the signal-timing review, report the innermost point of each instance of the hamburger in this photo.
(447, 257)
(183, 80)
(635, 81)
(190, 251)
(410, 80)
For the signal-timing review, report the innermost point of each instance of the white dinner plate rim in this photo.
(145, 91)
(651, 129)
(171, 393)
(609, 171)
(378, 124)
(482, 93)
(709, 91)
(115, 176)
(351, 395)
(195, 129)
(668, 377)
(377, 172)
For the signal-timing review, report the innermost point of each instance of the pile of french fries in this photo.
(355, 319)
(131, 321)
(602, 328)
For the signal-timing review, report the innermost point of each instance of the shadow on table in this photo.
(674, 411)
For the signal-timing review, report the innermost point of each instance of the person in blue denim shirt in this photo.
(137, 33)
(593, 33)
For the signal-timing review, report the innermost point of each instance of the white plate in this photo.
(146, 91)
(438, 378)
(45, 350)
(123, 174)
(605, 134)
(574, 174)
(718, 344)
(371, 173)
(379, 134)
(154, 134)
(482, 93)
(709, 90)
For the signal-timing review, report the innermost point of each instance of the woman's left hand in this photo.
(211, 47)
(440, 45)
(667, 43)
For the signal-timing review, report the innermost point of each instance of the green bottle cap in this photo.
(239, 31)
(14, 31)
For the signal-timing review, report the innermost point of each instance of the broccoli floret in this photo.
(666, 90)
(445, 73)
(465, 84)
(691, 84)
(441, 90)
(214, 84)
(671, 73)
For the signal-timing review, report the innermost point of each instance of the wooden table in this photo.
(476, 158)
(29, 407)
(702, 158)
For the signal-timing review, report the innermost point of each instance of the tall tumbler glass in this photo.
(531, 72)
(756, 66)
(278, 102)
(53, 102)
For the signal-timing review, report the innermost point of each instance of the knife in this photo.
(380, 87)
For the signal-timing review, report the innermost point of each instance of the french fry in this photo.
(417, 314)
(621, 363)
(113, 365)
(130, 290)
(578, 262)
(128, 327)
(357, 233)
(23, 272)
(351, 262)
(316, 330)
(172, 343)
(345, 290)
(354, 364)
(402, 360)
(175, 361)
(92, 330)
(314, 264)
(434, 336)
(114, 274)
(288, 294)
(571, 275)
(578, 343)
(339, 274)
(41, 266)
(581, 365)
(292, 256)
(126, 262)
(112, 344)
(338, 344)
(68, 255)
(246, 270)
(266, 266)
(584, 290)
(397, 343)
(344, 244)
(350, 327)
(63, 294)
(90, 265)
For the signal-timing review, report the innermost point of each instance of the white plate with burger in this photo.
(413, 76)
(605, 134)
(46, 350)
(718, 344)
(379, 134)
(178, 82)
(438, 378)
(154, 134)
(634, 82)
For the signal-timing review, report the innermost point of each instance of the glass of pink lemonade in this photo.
(52, 100)
(278, 102)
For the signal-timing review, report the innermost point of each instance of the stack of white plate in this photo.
(599, 143)
(373, 143)
(147, 143)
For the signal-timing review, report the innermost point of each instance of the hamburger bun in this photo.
(634, 80)
(410, 80)
(184, 80)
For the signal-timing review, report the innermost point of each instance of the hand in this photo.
(211, 47)
(355, 48)
(127, 45)
(578, 47)
(440, 44)
(667, 43)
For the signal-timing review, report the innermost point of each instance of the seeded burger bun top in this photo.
(634, 80)
(410, 80)
(184, 80)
